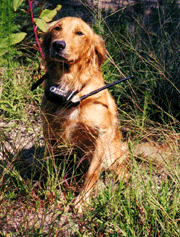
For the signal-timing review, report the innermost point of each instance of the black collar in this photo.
(61, 97)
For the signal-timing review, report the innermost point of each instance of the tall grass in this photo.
(37, 190)
(143, 40)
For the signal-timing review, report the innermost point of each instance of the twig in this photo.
(35, 29)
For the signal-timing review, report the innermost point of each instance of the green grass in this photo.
(35, 196)
(138, 209)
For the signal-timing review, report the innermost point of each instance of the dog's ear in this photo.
(100, 49)
(50, 25)
(46, 40)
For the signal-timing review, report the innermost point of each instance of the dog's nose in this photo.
(59, 45)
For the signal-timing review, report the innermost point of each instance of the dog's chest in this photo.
(67, 118)
(74, 114)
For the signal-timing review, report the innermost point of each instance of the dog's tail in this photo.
(154, 151)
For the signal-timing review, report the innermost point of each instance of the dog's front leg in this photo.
(92, 176)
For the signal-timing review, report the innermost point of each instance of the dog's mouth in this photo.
(58, 56)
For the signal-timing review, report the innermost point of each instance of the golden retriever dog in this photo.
(73, 57)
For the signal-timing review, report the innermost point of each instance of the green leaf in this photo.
(41, 24)
(16, 38)
(47, 15)
(12, 39)
(16, 4)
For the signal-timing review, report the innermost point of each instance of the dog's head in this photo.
(70, 39)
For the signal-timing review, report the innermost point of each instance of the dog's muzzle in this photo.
(59, 45)
(57, 50)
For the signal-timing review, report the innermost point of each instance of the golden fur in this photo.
(92, 126)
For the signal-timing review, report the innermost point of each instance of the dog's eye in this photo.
(57, 28)
(79, 33)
